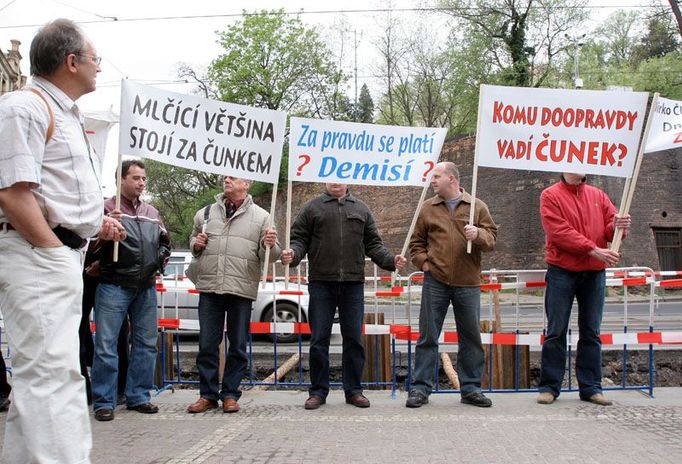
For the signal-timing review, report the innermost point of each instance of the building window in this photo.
(669, 248)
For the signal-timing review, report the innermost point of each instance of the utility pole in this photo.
(675, 5)
(355, 35)
(577, 43)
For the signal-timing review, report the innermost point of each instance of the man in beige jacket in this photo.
(451, 276)
(228, 243)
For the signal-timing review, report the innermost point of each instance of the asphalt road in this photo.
(667, 317)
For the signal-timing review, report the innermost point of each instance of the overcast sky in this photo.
(148, 50)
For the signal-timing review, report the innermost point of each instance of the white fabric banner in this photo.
(97, 125)
(666, 126)
(201, 134)
(366, 154)
(556, 130)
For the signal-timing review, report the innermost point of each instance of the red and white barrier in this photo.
(634, 279)
(404, 332)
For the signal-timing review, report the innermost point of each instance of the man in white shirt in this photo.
(50, 203)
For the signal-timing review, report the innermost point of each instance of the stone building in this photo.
(514, 201)
(10, 70)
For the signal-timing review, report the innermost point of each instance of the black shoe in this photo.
(477, 399)
(144, 408)
(104, 415)
(416, 399)
(120, 400)
(4, 403)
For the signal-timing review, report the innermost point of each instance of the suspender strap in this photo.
(50, 127)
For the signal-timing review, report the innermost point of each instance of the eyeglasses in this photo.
(96, 59)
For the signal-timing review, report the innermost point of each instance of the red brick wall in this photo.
(513, 198)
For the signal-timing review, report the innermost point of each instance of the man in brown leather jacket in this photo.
(451, 276)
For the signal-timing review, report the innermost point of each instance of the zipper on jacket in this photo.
(139, 229)
(342, 224)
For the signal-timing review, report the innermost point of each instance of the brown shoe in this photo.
(202, 405)
(358, 400)
(598, 398)
(230, 405)
(314, 402)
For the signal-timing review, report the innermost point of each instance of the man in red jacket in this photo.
(578, 220)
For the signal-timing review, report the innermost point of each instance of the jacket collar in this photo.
(466, 198)
(575, 189)
(132, 205)
(220, 199)
(326, 197)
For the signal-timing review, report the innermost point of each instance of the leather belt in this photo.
(66, 236)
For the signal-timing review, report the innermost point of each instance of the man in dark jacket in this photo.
(127, 286)
(336, 231)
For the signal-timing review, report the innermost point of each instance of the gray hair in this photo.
(450, 169)
(53, 43)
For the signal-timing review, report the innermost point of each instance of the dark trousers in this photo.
(563, 286)
(325, 298)
(466, 304)
(213, 308)
(5, 387)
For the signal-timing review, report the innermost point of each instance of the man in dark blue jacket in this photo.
(127, 287)
(336, 231)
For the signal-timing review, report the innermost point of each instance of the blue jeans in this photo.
(466, 304)
(212, 310)
(112, 303)
(562, 287)
(325, 297)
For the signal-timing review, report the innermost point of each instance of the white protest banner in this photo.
(201, 134)
(366, 154)
(556, 130)
(97, 125)
(666, 126)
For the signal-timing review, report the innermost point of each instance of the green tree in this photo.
(391, 49)
(660, 38)
(523, 38)
(605, 54)
(365, 109)
(269, 60)
(178, 193)
(618, 35)
(660, 74)
(272, 60)
(431, 81)
(621, 53)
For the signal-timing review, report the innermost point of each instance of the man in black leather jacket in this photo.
(127, 286)
(336, 231)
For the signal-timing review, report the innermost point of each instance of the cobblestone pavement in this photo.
(273, 427)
